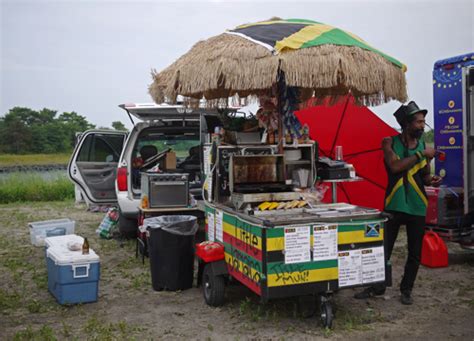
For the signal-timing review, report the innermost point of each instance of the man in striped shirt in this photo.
(407, 162)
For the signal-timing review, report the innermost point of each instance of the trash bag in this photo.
(184, 225)
(171, 250)
(109, 224)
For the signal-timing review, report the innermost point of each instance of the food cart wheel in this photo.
(213, 287)
(326, 313)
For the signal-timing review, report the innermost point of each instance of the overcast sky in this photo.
(90, 56)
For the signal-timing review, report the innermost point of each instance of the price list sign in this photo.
(297, 244)
(324, 242)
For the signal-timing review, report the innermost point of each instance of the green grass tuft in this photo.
(21, 187)
(7, 160)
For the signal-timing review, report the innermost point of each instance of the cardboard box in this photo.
(169, 161)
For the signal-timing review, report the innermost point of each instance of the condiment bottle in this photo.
(288, 139)
(271, 137)
(85, 247)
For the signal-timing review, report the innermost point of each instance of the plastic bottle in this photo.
(288, 139)
(85, 247)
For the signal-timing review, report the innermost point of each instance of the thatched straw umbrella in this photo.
(317, 59)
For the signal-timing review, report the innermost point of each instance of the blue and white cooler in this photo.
(72, 276)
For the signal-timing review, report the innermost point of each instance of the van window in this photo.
(101, 148)
(184, 141)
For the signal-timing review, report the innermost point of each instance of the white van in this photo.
(106, 165)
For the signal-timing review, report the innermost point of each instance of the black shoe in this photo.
(406, 299)
(368, 293)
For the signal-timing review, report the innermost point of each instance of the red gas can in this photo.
(434, 253)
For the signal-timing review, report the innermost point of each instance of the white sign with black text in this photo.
(297, 244)
(324, 242)
(349, 263)
(220, 226)
(210, 226)
(373, 269)
(361, 266)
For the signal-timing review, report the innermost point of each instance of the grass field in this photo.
(20, 187)
(33, 159)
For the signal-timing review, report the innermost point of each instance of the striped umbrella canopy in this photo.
(317, 59)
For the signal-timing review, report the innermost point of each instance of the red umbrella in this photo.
(360, 132)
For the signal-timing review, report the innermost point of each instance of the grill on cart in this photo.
(276, 241)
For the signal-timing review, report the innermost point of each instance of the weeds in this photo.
(44, 333)
(34, 159)
(9, 300)
(141, 280)
(349, 320)
(95, 329)
(66, 330)
(32, 187)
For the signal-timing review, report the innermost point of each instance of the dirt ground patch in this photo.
(128, 307)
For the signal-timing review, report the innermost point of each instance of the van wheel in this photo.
(128, 228)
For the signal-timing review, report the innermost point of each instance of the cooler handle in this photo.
(81, 266)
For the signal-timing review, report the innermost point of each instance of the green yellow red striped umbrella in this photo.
(315, 58)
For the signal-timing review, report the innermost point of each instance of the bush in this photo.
(19, 187)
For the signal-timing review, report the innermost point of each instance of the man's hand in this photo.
(429, 152)
(436, 180)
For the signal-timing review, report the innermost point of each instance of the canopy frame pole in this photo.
(281, 93)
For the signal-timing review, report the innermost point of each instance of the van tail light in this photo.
(122, 179)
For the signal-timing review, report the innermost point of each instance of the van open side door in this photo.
(93, 165)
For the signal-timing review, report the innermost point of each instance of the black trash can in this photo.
(171, 251)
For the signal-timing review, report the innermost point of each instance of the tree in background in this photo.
(23, 131)
(117, 125)
(72, 123)
(429, 136)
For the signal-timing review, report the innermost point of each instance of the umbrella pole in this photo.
(281, 88)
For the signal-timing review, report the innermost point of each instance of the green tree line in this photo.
(27, 131)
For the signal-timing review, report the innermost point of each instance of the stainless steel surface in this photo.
(319, 213)
(334, 185)
(239, 200)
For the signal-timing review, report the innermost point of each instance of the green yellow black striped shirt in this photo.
(406, 191)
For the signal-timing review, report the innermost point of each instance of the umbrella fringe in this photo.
(226, 65)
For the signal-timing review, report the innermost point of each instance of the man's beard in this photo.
(417, 134)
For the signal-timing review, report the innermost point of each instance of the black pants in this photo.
(415, 232)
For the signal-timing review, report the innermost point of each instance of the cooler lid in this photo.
(63, 240)
(63, 256)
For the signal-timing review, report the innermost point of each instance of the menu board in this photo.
(210, 226)
(297, 244)
(349, 263)
(207, 170)
(361, 266)
(373, 269)
(207, 159)
(219, 226)
(324, 242)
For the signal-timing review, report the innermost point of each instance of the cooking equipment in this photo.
(165, 189)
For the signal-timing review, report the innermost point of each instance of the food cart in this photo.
(298, 247)
(263, 230)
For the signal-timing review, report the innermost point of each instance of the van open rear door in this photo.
(93, 165)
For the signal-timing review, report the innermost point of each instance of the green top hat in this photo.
(408, 110)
